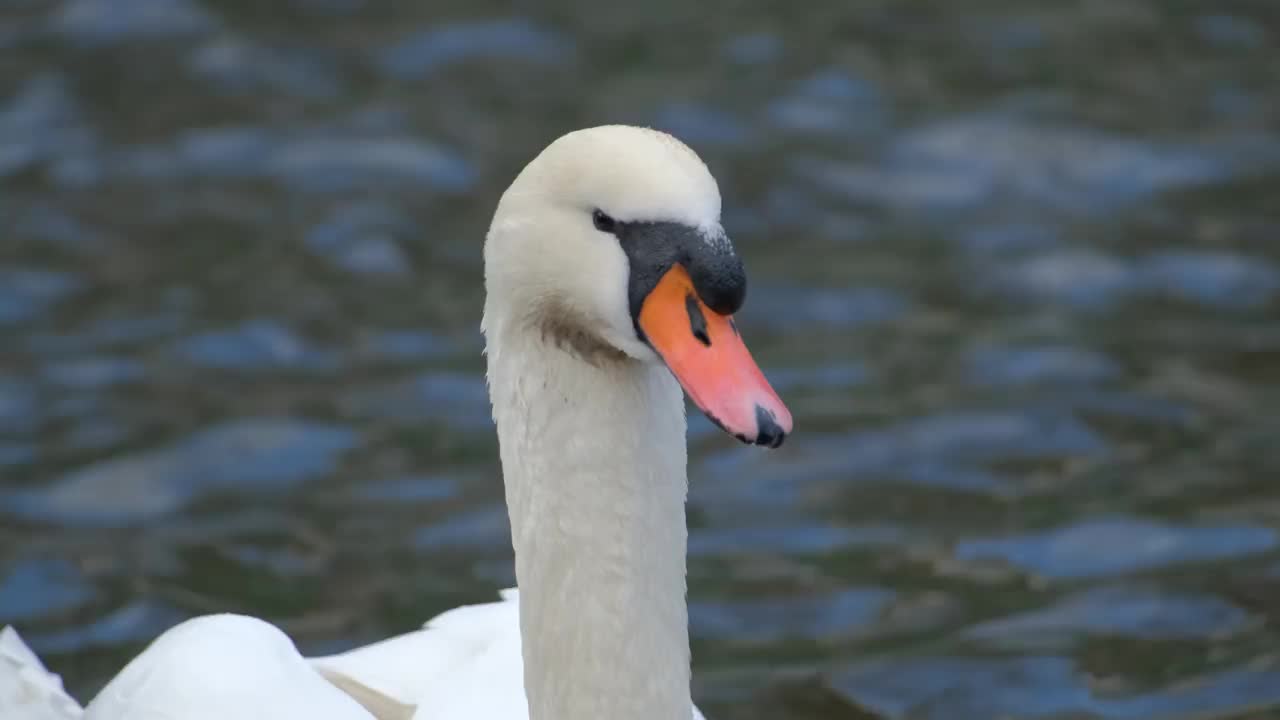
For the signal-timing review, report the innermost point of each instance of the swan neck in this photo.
(594, 462)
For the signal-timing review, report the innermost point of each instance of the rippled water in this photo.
(1015, 268)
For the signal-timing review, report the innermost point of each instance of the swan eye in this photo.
(603, 222)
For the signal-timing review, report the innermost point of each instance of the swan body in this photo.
(609, 286)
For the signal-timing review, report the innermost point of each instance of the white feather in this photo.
(464, 663)
(27, 690)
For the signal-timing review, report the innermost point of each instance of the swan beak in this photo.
(706, 354)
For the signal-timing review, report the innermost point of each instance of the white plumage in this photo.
(27, 690)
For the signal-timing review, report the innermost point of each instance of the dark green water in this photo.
(1015, 268)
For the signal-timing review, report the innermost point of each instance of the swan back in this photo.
(222, 666)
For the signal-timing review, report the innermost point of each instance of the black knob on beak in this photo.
(718, 276)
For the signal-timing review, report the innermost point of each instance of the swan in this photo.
(610, 285)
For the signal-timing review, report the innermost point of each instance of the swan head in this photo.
(610, 242)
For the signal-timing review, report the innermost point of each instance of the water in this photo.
(1014, 267)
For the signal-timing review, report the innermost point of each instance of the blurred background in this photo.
(1015, 267)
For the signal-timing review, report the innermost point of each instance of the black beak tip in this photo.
(768, 432)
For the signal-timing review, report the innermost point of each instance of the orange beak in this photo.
(706, 354)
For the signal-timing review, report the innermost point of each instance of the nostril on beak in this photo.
(768, 432)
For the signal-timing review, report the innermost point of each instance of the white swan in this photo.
(608, 279)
